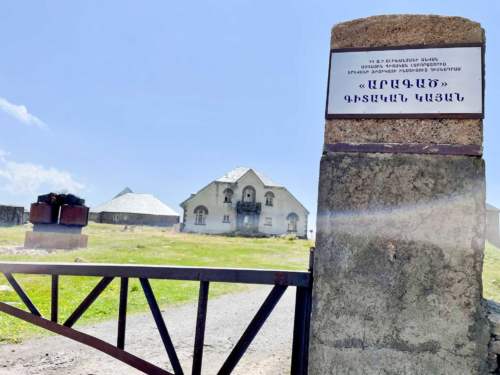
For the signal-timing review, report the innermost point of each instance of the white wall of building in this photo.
(212, 197)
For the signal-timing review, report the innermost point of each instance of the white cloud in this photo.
(27, 178)
(20, 113)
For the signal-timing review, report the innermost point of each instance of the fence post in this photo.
(400, 230)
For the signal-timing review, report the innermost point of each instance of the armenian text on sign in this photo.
(412, 82)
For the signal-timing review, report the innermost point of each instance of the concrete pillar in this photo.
(400, 236)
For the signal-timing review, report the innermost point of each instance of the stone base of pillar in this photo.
(398, 266)
(50, 241)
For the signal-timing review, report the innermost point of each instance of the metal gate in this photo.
(280, 280)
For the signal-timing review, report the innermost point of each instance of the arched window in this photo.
(200, 215)
(292, 220)
(228, 195)
(249, 194)
(269, 198)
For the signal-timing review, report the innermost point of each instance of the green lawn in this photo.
(143, 245)
(491, 273)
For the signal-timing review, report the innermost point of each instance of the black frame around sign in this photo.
(407, 115)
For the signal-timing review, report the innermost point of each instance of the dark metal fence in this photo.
(280, 280)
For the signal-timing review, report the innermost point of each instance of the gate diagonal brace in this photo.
(20, 292)
(88, 301)
(252, 330)
(162, 328)
(83, 338)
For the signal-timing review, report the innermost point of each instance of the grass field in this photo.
(491, 273)
(143, 245)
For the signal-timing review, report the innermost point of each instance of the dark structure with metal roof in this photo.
(129, 208)
(11, 215)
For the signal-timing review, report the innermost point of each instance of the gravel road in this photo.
(227, 318)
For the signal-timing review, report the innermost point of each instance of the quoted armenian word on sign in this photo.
(412, 82)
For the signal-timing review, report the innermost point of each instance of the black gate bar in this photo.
(54, 299)
(229, 275)
(201, 319)
(122, 313)
(301, 325)
(300, 344)
(162, 327)
(252, 330)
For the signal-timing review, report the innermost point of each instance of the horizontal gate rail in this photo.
(229, 275)
(280, 279)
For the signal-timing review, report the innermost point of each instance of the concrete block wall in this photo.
(10, 215)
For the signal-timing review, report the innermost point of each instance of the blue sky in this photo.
(166, 96)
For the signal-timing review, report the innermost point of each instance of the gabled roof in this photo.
(237, 173)
(135, 203)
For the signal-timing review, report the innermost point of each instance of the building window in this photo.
(269, 198)
(228, 195)
(268, 221)
(200, 215)
(292, 220)
(225, 219)
(249, 194)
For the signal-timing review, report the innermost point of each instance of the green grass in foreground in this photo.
(143, 245)
(110, 244)
(491, 273)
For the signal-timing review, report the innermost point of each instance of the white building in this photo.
(244, 201)
(129, 208)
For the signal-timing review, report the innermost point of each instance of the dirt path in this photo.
(227, 318)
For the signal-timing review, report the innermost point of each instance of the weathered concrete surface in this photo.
(428, 131)
(55, 240)
(401, 30)
(404, 30)
(398, 266)
(11, 215)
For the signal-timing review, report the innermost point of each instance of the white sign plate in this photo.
(409, 82)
